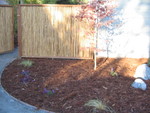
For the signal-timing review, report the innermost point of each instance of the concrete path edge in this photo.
(17, 100)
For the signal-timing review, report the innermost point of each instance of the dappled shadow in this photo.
(134, 30)
(75, 82)
(82, 85)
(53, 32)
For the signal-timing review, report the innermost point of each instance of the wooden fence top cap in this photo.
(50, 5)
(6, 6)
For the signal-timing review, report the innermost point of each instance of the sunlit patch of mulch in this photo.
(74, 82)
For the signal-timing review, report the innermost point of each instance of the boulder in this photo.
(139, 83)
(142, 71)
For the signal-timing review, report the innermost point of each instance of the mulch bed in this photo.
(74, 82)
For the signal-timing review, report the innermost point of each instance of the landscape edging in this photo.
(15, 99)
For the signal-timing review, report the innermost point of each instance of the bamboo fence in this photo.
(6, 28)
(51, 31)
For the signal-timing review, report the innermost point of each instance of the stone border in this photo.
(15, 99)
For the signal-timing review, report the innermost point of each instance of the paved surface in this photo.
(9, 104)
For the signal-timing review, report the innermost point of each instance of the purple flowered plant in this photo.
(49, 92)
(26, 73)
(26, 77)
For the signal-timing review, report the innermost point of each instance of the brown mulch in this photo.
(75, 83)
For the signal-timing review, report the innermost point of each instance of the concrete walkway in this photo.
(9, 104)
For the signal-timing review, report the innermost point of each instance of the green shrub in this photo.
(49, 1)
(71, 1)
(27, 63)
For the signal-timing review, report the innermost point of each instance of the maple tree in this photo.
(93, 14)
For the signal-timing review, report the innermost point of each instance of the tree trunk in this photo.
(95, 63)
(95, 40)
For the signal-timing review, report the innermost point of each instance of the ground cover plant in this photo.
(66, 86)
(27, 63)
(99, 105)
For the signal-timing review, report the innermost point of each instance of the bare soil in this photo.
(74, 82)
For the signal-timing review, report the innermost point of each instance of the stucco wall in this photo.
(3, 2)
(132, 38)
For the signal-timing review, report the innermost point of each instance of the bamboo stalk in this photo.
(50, 31)
(6, 28)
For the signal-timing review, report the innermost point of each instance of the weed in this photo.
(48, 92)
(113, 73)
(25, 73)
(27, 63)
(26, 77)
(99, 105)
(148, 62)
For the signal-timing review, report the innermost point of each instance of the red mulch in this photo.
(75, 82)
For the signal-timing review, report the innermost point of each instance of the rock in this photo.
(139, 83)
(142, 71)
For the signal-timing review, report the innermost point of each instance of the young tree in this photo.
(94, 15)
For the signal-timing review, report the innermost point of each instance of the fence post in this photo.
(19, 29)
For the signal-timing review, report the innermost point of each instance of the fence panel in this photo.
(51, 31)
(6, 28)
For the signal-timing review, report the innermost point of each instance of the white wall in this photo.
(3, 2)
(132, 39)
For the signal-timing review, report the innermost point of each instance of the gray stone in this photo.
(139, 83)
(142, 71)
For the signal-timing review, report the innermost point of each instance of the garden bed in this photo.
(72, 83)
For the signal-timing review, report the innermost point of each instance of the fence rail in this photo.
(51, 31)
(6, 28)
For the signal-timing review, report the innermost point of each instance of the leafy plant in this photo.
(27, 63)
(25, 73)
(26, 77)
(48, 92)
(99, 105)
(113, 73)
(148, 62)
(49, 1)
(71, 1)
(32, 1)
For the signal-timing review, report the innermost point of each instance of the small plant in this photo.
(27, 63)
(26, 77)
(25, 73)
(148, 62)
(99, 105)
(48, 92)
(113, 73)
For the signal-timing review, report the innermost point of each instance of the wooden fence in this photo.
(6, 28)
(51, 31)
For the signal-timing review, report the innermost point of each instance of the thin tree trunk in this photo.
(95, 63)
(95, 41)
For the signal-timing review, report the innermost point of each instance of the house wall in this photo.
(132, 38)
(3, 2)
